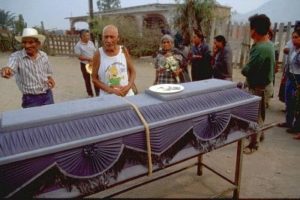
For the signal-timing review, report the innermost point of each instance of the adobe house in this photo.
(145, 15)
(157, 14)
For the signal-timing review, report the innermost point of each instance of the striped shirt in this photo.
(31, 75)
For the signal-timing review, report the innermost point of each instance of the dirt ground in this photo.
(271, 172)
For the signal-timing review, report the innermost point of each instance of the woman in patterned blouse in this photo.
(169, 62)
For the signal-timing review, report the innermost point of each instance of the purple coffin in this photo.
(80, 147)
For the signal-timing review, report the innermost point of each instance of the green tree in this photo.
(108, 4)
(20, 24)
(6, 19)
(194, 14)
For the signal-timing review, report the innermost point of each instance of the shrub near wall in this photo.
(5, 44)
(7, 40)
(144, 43)
(147, 44)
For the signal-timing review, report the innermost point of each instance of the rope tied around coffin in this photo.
(147, 131)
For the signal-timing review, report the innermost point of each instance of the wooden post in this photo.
(274, 32)
(280, 34)
(243, 49)
(287, 37)
(60, 45)
(228, 31)
(91, 26)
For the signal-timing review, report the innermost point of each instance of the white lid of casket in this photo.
(37, 116)
(195, 88)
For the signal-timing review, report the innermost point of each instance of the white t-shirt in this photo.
(113, 70)
(85, 49)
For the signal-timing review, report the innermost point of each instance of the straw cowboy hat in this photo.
(31, 32)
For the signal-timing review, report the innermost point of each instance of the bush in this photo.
(138, 43)
(5, 44)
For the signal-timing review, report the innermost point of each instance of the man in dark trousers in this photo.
(259, 70)
(85, 50)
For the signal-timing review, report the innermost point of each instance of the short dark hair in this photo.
(199, 34)
(297, 31)
(260, 23)
(220, 38)
(297, 25)
(83, 31)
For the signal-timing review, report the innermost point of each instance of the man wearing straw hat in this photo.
(32, 70)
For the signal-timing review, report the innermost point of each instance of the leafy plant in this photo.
(143, 42)
(6, 19)
(194, 14)
(20, 24)
(11, 27)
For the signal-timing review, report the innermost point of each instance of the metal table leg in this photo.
(238, 168)
(200, 166)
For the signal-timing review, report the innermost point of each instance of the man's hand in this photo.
(125, 89)
(50, 83)
(6, 72)
(117, 90)
(121, 90)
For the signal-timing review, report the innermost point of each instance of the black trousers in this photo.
(87, 80)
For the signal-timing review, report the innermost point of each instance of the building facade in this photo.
(154, 15)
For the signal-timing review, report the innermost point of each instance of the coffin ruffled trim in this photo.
(211, 126)
(90, 160)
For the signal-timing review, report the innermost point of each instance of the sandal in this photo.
(250, 148)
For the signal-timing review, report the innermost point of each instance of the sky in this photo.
(54, 12)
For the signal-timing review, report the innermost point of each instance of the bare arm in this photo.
(131, 71)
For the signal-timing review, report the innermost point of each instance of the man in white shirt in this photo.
(113, 70)
(85, 50)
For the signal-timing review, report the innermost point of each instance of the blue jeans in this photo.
(292, 120)
(32, 100)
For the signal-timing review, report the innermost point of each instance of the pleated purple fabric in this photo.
(170, 121)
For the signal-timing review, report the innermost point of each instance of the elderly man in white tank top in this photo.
(113, 71)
